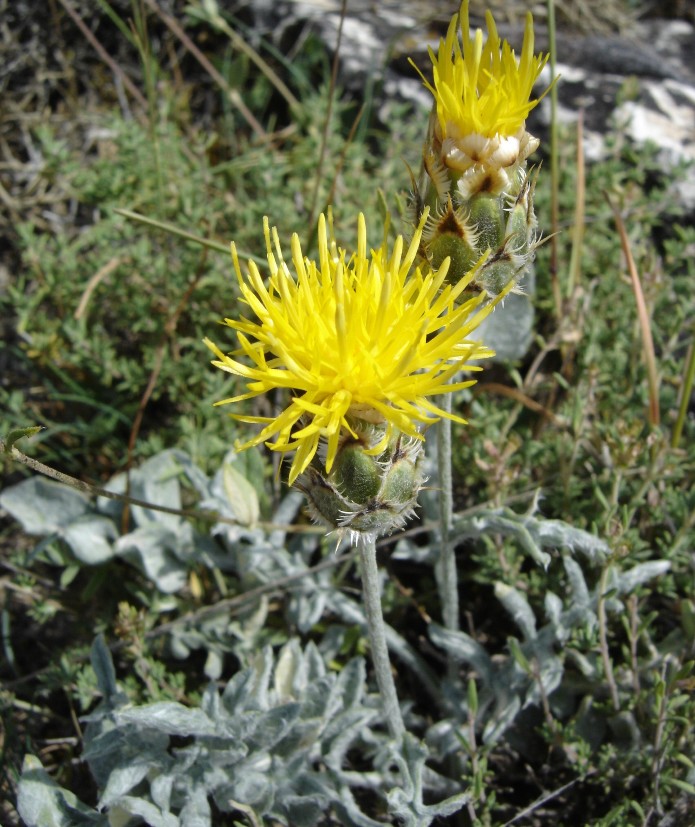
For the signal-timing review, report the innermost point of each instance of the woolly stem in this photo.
(445, 567)
(377, 636)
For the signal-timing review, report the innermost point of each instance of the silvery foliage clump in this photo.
(274, 741)
(535, 666)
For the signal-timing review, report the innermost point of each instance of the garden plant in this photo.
(427, 584)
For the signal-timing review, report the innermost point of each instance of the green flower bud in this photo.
(355, 473)
(522, 222)
(499, 270)
(462, 255)
(364, 493)
(400, 481)
(487, 217)
(325, 502)
(517, 228)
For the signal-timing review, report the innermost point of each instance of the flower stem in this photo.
(445, 568)
(377, 636)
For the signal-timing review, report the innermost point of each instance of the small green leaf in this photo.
(688, 618)
(677, 782)
(102, 663)
(19, 433)
(683, 759)
(68, 575)
(518, 655)
(472, 697)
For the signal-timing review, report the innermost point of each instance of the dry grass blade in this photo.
(519, 397)
(172, 230)
(684, 396)
(554, 168)
(94, 282)
(232, 94)
(341, 161)
(643, 316)
(327, 124)
(238, 42)
(103, 54)
(544, 799)
(579, 208)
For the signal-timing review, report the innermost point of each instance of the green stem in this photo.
(686, 388)
(554, 167)
(377, 636)
(445, 568)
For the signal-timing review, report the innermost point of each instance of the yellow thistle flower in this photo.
(355, 337)
(481, 94)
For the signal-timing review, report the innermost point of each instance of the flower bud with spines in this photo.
(364, 492)
(474, 173)
(501, 226)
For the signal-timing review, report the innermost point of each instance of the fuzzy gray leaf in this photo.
(464, 648)
(273, 726)
(102, 664)
(42, 803)
(553, 608)
(170, 718)
(406, 803)
(506, 522)
(344, 730)
(305, 610)
(349, 813)
(305, 811)
(627, 581)
(196, 811)
(239, 691)
(157, 482)
(505, 712)
(518, 608)
(108, 747)
(533, 533)
(152, 547)
(254, 789)
(91, 538)
(125, 777)
(290, 671)
(200, 481)
(213, 665)
(580, 591)
(509, 330)
(263, 670)
(161, 787)
(152, 815)
(558, 534)
(43, 506)
(241, 495)
(348, 689)
(315, 666)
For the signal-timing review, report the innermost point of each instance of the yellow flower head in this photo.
(481, 94)
(365, 336)
(482, 88)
